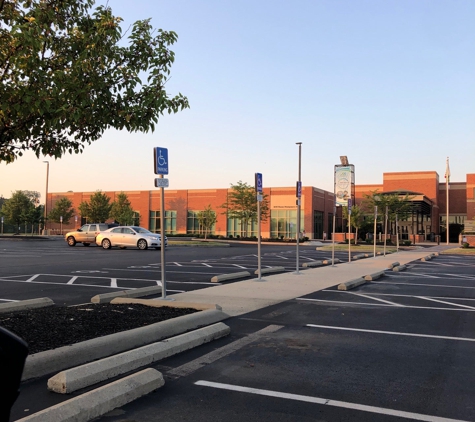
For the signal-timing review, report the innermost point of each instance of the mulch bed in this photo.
(52, 327)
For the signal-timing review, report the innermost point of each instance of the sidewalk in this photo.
(245, 296)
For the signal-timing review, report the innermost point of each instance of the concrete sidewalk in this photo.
(241, 297)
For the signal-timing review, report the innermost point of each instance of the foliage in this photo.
(465, 245)
(207, 219)
(121, 210)
(356, 218)
(63, 207)
(67, 75)
(397, 205)
(98, 209)
(22, 208)
(242, 205)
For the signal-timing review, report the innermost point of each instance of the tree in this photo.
(63, 207)
(356, 219)
(66, 76)
(207, 219)
(98, 209)
(122, 211)
(20, 208)
(242, 205)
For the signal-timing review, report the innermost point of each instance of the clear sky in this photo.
(389, 83)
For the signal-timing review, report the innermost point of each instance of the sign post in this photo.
(349, 229)
(2, 225)
(160, 156)
(258, 183)
(385, 229)
(61, 221)
(375, 220)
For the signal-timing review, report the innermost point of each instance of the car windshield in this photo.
(141, 230)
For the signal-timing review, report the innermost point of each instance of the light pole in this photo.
(299, 195)
(46, 197)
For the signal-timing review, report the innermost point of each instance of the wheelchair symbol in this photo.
(161, 159)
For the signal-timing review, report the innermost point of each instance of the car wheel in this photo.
(142, 244)
(106, 244)
(71, 241)
(86, 244)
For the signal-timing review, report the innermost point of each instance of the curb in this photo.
(400, 268)
(348, 285)
(157, 303)
(140, 292)
(98, 402)
(55, 360)
(312, 264)
(394, 264)
(24, 305)
(92, 373)
(270, 270)
(331, 261)
(374, 276)
(224, 277)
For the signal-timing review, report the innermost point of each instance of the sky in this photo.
(388, 83)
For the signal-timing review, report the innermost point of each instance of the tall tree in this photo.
(98, 209)
(122, 211)
(20, 207)
(242, 205)
(63, 207)
(207, 219)
(67, 75)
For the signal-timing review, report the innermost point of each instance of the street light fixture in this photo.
(46, 197)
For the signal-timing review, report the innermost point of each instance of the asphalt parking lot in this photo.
(72, 275)
(398, 348)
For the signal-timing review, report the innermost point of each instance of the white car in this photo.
(129, 236)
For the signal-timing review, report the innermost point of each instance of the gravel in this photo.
(52, 327)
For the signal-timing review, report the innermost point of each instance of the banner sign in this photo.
(342, 185)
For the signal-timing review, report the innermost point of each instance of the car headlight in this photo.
(154, 238)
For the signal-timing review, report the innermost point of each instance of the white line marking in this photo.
(394, 333)
(422, 284)
(113, 282)
(213, 356)
(327, 402)
(206, 265)
(443, 301)
(64, 284)
(282, 257)
(418, 274)
(8, 300)
(397, 295)
(33, 277)
(239, 266)
(338, 302)
(177, 264)
(439, 263)
(375, 298)
(73, 279)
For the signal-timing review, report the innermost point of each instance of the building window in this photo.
(136, 219)
(283, 224)
(318, 224)
(235, 228)
(169, 219)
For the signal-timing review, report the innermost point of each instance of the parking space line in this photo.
(327, 402)
(33, 277)
(422, 284)
(73, 279)
(398, 295)
(338, 302)
(443, 301)
(113, 282)
(239, 266)
(375, 298)
(394, 333)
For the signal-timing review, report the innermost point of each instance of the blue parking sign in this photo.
(160, 156)
(259, 182)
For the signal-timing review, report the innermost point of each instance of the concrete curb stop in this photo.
(224, 277)
(312, 264)
(270, 270)
(331, 261)
(400, 268)
(55, 360)
(101, 370)
(426, 258)
(374, 276)
(348, 285)
(359, 256)
(98, 402)
(394, 264)
(141, 292)
(24, 305)
(157, 303)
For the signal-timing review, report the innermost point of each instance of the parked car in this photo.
(130, 236)
(85, 234)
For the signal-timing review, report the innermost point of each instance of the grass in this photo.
(460, 251)
(358, 248)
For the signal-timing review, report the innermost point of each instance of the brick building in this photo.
(182, 206)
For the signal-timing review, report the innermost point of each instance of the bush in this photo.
(406, 243)
(465, 245)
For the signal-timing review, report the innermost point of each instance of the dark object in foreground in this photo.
(13, 353)
(52, 327)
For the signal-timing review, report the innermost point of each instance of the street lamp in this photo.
(46, 197)
(299, 195)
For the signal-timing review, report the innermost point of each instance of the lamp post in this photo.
(46, 196)
(299, 194)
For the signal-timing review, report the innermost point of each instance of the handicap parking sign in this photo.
(160, 160)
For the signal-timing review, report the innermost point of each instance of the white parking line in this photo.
(396, 295)
(375, 298)
(113, 282)
(239, 266)
(327, 402)
(394, 333)
(33, 277)
(73, 279)
(422, 284)
(443, 301)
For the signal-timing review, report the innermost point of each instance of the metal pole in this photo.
(298, 206)
(447, 201)
(259, 239)
(349, 236)
(333, 236)
(385, 229)
(162, 241)
(375, 220)
(46, 196)
(397, 236)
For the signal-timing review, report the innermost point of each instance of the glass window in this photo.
(169, 220)
(283, 224)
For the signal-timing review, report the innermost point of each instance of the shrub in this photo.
(406, 243)
(465, 245)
